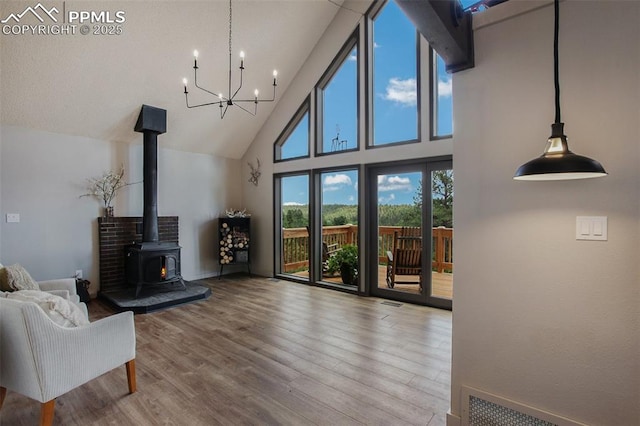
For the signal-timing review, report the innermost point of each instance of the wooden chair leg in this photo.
(46, 412)
(131, 375)
(3, 394)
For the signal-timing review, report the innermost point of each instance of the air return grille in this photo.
(483, 409)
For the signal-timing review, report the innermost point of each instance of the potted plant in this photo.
(345, 260)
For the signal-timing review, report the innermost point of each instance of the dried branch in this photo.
(106, 186)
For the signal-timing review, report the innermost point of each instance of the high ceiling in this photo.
(93, 85)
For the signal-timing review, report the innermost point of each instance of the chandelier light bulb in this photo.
(220, 96)
(241, 54)
(185, 81)
(256, 93)
(195, 54)
(275, 73)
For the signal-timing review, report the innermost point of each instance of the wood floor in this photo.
(263, 351)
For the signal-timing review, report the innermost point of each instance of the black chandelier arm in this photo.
(257, 101)
(243, 108)
(223, 111)
(195, 83)
(239, 87)
(556, 74)
(186, 97)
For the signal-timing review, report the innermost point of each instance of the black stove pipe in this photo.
(150, 173)
(152, 122)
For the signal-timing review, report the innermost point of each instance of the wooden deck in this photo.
(270, 352)
(442, 282)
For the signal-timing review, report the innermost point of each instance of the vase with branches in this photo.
(106, 187)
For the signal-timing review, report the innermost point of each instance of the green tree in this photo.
(294, 218)
(442, 193)
(339, 220)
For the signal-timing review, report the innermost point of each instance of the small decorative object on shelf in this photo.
(235, 237)
(237, 213)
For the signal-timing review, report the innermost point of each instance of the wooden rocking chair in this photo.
(405, 257)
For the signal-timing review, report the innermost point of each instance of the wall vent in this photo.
(483, 409)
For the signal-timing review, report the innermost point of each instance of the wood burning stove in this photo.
(151, 262)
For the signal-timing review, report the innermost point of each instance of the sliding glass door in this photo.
(410, 224)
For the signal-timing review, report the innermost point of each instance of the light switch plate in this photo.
(13, 217)
(592, 228)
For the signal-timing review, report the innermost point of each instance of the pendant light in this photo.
(557, 162)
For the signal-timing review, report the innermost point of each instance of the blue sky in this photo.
(342, 188)
(395, 113)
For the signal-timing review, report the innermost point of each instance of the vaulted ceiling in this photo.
(94, 85)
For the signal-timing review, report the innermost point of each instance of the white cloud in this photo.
(402, 92)
(445, 87)
(376, 45)
(353, 56)
(393, 183)
(386, 200)
(292, 203)
(336, 182)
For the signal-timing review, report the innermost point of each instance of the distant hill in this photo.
(341, 214)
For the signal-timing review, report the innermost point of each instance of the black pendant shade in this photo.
(557, 162)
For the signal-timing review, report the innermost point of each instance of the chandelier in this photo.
(224, 102)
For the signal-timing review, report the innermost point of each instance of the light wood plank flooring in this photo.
(263, 351)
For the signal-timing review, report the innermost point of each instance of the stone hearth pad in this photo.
(156, 298)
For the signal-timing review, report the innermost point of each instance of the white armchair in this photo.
(62, 284)
(42, 360)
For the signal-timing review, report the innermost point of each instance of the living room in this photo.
(539, 318)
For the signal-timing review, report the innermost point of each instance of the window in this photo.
(338, 102)
(339, 225)
(395, 96)
(294, 140)
(441, 99)
(292, 243)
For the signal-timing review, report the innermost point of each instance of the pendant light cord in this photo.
(555, 58)
(230, 16)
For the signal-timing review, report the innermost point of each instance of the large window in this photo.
(338, 102)
(294, 140)
(395, 77)
(441, 99)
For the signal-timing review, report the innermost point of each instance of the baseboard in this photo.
(453, 420)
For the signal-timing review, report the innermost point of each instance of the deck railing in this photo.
(296, 244)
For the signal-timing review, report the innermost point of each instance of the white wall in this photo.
(43, 174)
(539, 317)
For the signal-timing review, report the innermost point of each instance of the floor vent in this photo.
(484, 409)
(394, 304)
